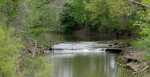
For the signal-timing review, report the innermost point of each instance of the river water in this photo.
(85, 65)
(89, 65)
(86, 62)
(77, 60)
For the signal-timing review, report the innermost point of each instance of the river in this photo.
(78, 60)
(86, 62)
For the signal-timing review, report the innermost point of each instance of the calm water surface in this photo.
(89, 65)
(85, 65)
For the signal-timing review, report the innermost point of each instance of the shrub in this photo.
(10, 47)
(38, 66)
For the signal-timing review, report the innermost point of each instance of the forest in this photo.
(23, 24)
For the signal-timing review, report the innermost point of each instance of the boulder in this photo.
(134, 56)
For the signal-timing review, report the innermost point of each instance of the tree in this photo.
(41, 16)
(106, 16)
(144, 24)
(8, 11)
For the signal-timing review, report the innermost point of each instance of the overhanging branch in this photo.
(140, 4)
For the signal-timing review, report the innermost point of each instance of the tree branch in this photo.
(141, 4)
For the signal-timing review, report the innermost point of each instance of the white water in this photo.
(79, 47)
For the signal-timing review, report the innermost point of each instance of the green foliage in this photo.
(2, 2)
(146, 1)
(8, 11)
(75, 15)
(10, 47)
(144, 24)
(42, 16)
(35, 67)
(99, 15)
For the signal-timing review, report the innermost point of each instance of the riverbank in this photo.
(134, 60)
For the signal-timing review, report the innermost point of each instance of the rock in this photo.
(79, 46)
(135, 60)
(138, 67)
(134, 56)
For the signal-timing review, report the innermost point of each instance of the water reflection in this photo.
(111, 66)
(91, 65)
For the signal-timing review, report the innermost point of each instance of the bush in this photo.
(143, 41)
(10, 47)
(38, 66)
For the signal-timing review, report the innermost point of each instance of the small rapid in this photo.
(79, 47)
